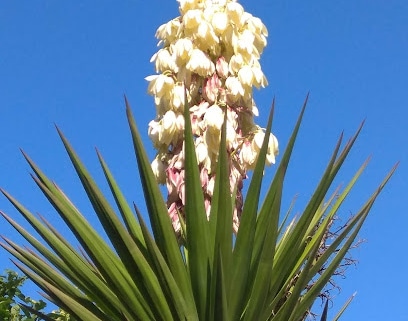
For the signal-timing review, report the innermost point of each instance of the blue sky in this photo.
(70, 63)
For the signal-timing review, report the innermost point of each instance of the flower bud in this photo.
(211, 87)
(222, 67)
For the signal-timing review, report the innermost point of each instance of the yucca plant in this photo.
(211, 255)
(261, 274)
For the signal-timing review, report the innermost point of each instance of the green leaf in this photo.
(161, 225)
(198, 233)
(221, 221)
(243, 249)
(185, 310)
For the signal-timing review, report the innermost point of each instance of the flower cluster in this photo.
(209, 54)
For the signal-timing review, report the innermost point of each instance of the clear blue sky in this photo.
(70, 62)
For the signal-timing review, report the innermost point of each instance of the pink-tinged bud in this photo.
(204, 177)
(173, 175)
(210, 186)
(222, 68)
(178, 160)
(173, 213)
(182, 190)
(232, 118)
(211, 87)
(207, 204)
(196, 114)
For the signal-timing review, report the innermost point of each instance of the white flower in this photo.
(256, 26)
(234, 88)
(246, 76)
(214, 117)
(247, 155)
(186, 5)
(160, 85)
(273, 150)
(177, 97)
(260, 32)
(227, 39)
(169, 127)
(258, 140)
(259, 77)
(201, 150)
(234, 11)
(219, 22)
(182, 50)
(244, 45)
(235, 64)
(164, 61)
(155, 132)
(200, 63)
(180, 124)
(192, 20)
(168, 32)
(206, 37)
(212, 140)
(159, 170)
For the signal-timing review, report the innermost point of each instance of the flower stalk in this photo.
(209, 54)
